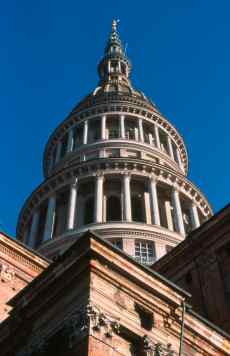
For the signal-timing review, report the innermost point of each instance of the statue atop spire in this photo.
(114, 25)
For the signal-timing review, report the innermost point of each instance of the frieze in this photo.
(18, 257)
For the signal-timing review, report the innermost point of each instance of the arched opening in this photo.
(89, 210)
(113, 208)
(138, 208)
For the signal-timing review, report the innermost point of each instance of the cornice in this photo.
(119, 144)
(21, 255)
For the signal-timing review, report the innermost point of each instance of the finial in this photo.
(114, 25)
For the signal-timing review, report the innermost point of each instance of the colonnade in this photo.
(140, 135)
(72, 214)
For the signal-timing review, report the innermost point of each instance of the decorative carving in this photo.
(7, 274)
(88, 320)
(151, 348)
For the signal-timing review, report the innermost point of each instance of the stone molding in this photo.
(17, 256)
(119, 143)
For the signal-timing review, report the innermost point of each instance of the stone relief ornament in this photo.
(89, 320)
(152, 348)
(7, 274)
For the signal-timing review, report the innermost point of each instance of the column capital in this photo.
(99, 174)
(74, 182)
(127, 174)
(153, 178)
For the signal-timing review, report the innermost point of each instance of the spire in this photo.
(114, 68)
(114, 39)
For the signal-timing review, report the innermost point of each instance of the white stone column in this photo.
(194, 216)
(103, 127)
(168, 211)
(178, 158)
(157, 137)
(127, 198)
(58, 152)
(141, 131)
(170, 148)
(72, 206)
(150, 139)
(98, 199)
(122, 126)
(33, 229)
(178, 212)
(85, 132)
(50, 218)
(119, 66)
(70, 141)
(136, 134)
(154, 201)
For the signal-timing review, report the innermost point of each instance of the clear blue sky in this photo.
(49, 52)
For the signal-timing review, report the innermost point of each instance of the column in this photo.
(178, 212)
(150, 139)
(122, 126)
(178, 157)
(103, 127)
(72, 206)
(119, 66)
(58, 152)
(70, 141)
(141, 132)
(168, 211)
(85, 132)
(127, 198)
(157, 137)
(194, 216)
(154, 201)
(170, 148)
(50, 217)
(98, 199)
(33, 230)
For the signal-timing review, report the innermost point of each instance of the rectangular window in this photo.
(117, 243)
(145, 252)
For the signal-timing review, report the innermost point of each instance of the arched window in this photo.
(113, 208)
(89, 210)
(138, 208)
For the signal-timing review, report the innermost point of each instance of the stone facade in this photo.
(18, 267)
(201, 265)
(95, 300)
